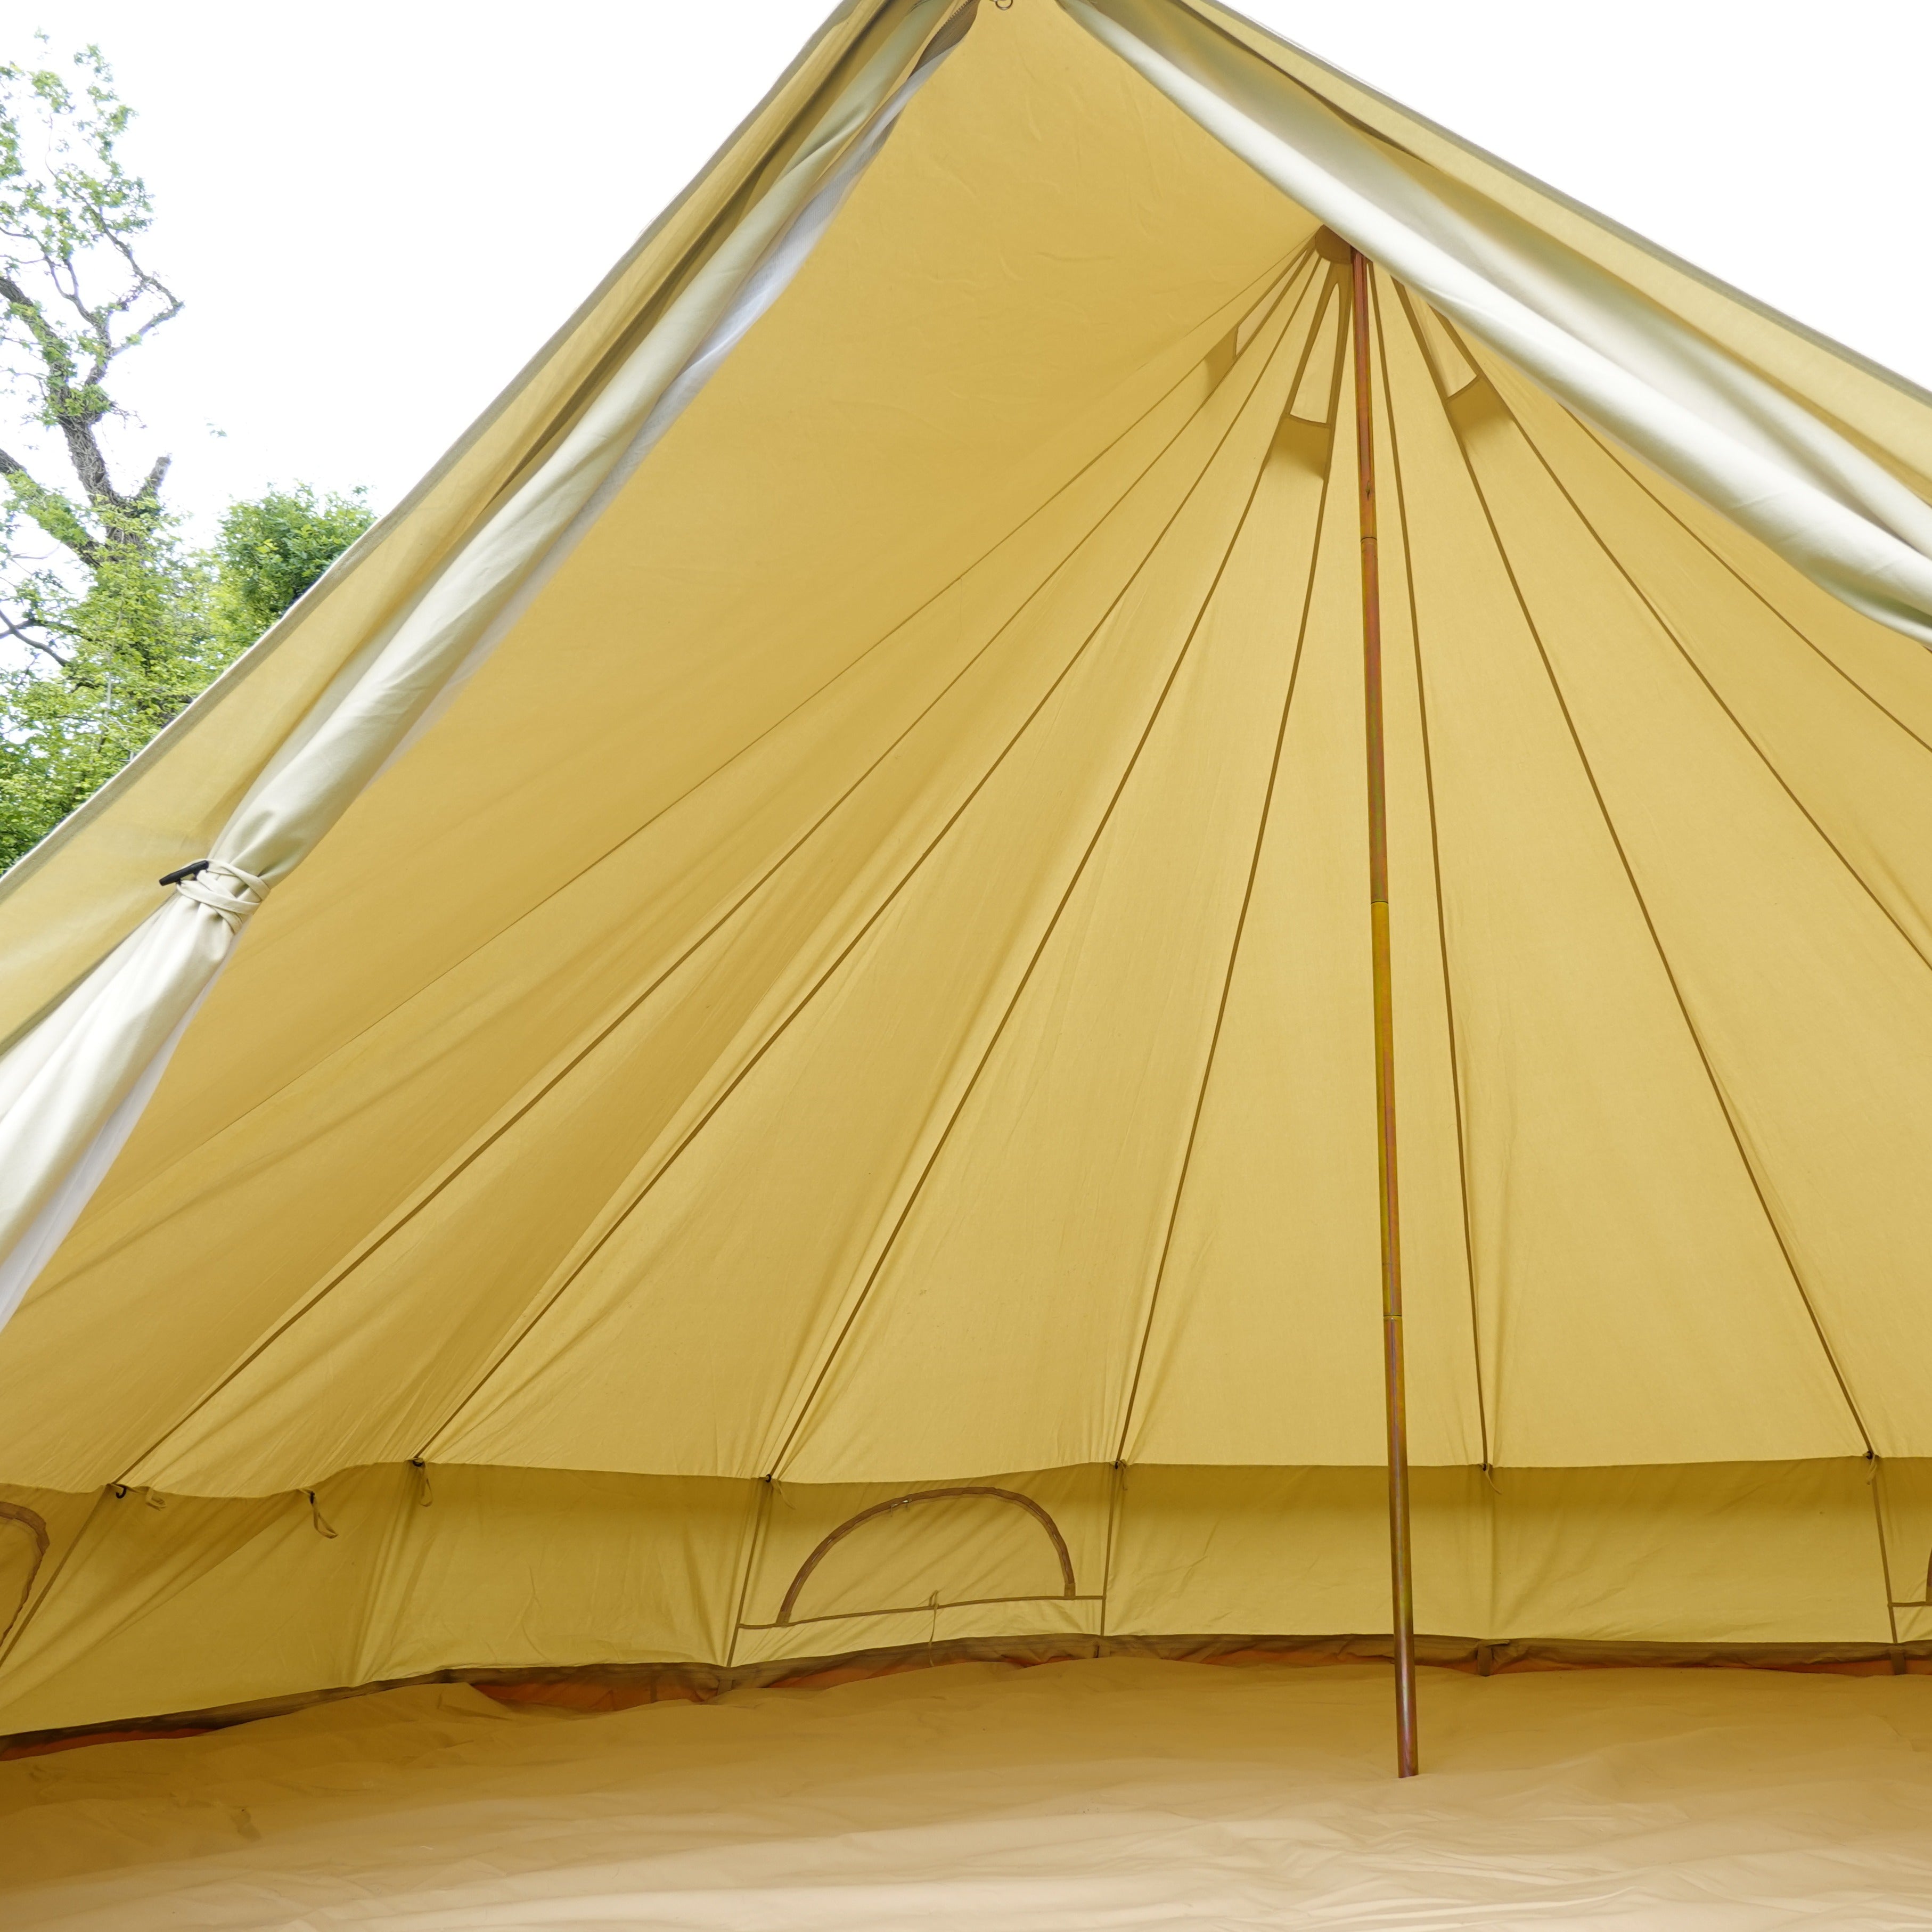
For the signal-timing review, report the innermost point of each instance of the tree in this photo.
(272, 550)
(153, 627)
(76, 298)
(109, 624)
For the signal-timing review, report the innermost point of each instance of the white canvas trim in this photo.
(73, 1089)
(1666, 393)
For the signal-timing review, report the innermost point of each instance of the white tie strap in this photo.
(73, 1084)
(222, 887)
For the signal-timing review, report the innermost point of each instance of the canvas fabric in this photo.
(1119, 1792)
(836, 963)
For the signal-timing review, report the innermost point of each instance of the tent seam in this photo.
(603, 1030)
(1664, 959)
(1435, 858)
(810, 698)
(1697, 537)
(878, 913)
(805, 1409)
(1884, 1554)
(1717, 697)
(1630, 238)
(754, 1543)
(1248, 892)
(545, 436)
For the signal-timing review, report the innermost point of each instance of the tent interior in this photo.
(812, 1105)
(1117, 1793)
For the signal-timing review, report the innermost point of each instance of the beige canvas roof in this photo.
(812, 945)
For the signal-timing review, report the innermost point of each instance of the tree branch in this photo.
(39, 503)
(76, 410)
(38, 644)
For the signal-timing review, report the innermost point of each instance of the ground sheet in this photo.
(1118, 1793)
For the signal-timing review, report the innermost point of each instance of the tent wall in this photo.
(867, 985)
(1886, 415)
(146, 1605)
(72, 1088)
(66, 904)
(854, 1049)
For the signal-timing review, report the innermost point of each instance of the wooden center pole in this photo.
(1401, 1576)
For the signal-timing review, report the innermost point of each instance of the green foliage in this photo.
(136, 648)
(109, 624)
(153, 625)
(73, 295)
(272, 550)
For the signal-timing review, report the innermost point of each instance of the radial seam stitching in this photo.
(1241, 917)
(1697, 537)
(1717, 697)
(1026, 977)
(631, 1005)
(1435, 863)
(1663, 959)
(879, 911)
(1286, 275)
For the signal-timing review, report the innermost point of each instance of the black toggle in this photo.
(181, 872)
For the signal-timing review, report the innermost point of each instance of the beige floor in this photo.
(1117, 1794)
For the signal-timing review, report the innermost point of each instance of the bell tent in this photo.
(764, 1043)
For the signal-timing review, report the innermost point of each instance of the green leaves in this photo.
(108, 625)
(125, 654)
(155, 624)
(73, 295)
(272, 550)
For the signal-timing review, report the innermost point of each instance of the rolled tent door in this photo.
(72, 1088)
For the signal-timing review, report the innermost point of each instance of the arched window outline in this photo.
(1068, 1591)
(35, 1525)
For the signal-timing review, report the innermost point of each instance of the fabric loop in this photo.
(221, 886)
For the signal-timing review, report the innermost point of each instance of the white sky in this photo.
(379, 208)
